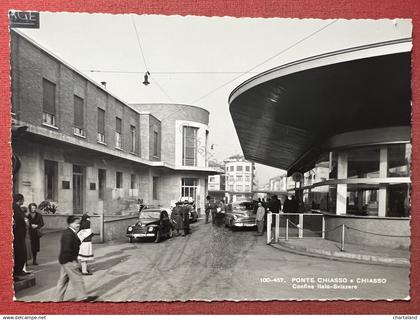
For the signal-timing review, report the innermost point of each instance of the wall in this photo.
(116, 228)
(30, 65)
(30, 179)
(387, 226)
(168, 114)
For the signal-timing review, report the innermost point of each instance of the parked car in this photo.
(241, 215)
(154, 223)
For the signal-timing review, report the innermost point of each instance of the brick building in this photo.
(87, 150)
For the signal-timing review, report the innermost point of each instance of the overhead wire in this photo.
(265, 61)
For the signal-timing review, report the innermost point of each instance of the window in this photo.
(363, 163)
(232, 168)
(48, 103)
(118, 127)
(133, 140)
(239, 168)
(239, 188)
(189, 150)
(51, 179)
(133, 182)
(119, 180)
(247, 188)
(247, 168)
(212, 179)
(101, 125)
(189, 188)
(399, 156)
(155, 144)
(239, 178)
(78, 116)
(155, 188)
(247, 178)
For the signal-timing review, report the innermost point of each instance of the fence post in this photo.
(300, 230)
(323, 227)
(277, 225)
(269, 215)
(287, 229)
(342, 237)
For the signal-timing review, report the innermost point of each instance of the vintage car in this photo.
(241, 215)
(153, 223)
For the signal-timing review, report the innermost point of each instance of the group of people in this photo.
(262, 207)
(75, 246)
(180, 216)
(27, 224)
(214, 209)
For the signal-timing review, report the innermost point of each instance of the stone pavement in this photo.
(318, 247)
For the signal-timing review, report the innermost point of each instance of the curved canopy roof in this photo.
(283, 115)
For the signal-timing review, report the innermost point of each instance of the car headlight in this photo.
(130, 229)
(150, 229)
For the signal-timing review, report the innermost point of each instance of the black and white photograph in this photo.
(192, 158)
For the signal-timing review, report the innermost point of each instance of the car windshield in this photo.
(150, 214)
(242, 206)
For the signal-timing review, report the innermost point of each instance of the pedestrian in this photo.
(223, 208)
(176, 217)
(186, 218)
(260, 219)
(207, 208)
(35, 233)
(275, 207)
(27, 239)
(86, 250)
(19, 235)
(70, 271)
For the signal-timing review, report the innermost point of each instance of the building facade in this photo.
(239, 178)
(342, 122)
(86, 150)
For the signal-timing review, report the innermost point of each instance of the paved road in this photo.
(213, 263)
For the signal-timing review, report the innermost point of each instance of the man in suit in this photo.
(70, 269)
(19, 235)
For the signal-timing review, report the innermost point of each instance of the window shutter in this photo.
(78, 112)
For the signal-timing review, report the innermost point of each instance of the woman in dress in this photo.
(86, 250)
(36, 223)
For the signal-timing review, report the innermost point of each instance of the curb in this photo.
(344, 256)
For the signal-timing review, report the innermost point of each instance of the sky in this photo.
(197, 60)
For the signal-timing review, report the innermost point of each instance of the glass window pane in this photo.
(399, 157)
(363, 163)
(78, 112)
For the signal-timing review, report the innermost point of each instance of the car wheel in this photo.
(158, 236)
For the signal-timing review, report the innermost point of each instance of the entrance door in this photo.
(78, 188)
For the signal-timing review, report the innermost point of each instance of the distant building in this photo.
(239, 178)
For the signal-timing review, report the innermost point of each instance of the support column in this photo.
(383, 171)
(341, 205)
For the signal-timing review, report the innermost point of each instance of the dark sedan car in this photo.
(154, 223)
(241, 215)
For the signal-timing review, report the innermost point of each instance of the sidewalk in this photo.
(322, 248)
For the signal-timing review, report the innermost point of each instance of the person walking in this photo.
(176, 217)
(260, 219)
(86, 250)
(207, 208)
(19, 235)
(69, 250)
(36, 223)
(186, 218)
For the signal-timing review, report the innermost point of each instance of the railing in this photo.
(288, 223)
(313, 222)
